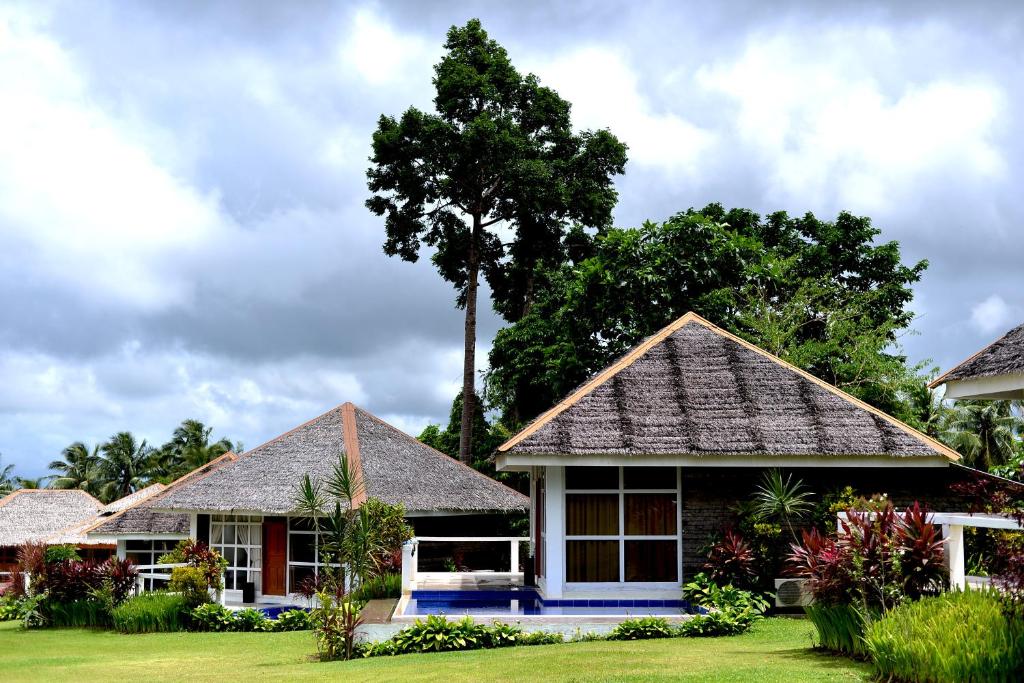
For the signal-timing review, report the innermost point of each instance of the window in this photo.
(621, 524)
(148, 553)
(240, 540)
(303, 551)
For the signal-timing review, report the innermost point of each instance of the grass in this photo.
(775, 650)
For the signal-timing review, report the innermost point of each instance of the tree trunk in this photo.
(469, 347)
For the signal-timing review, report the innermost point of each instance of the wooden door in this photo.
(275, 555)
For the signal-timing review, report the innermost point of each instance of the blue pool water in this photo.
(528, 602)
(275, 612)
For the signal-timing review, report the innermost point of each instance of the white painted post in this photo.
(954, 535)
(554, 532)
(409, 561)
(514, 556)
(122, 549)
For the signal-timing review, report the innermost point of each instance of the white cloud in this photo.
(817, 110)
(605, 93)
(382, 56)
(82, 200)
(992, 315)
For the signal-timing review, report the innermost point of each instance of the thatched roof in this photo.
(697, 390)
(394, 467)
(37, 514)
(1004, 356)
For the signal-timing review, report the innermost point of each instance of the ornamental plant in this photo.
(201, 556)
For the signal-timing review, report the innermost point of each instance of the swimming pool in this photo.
(527, 602)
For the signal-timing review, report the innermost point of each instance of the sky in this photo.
(182, 227)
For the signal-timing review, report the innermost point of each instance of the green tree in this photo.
(732, 267)
(7, 478)
(500, 151)
(78, 469)
(984, 432)
(32, 482)
(190, 447)
(928, 411)
(124, 466)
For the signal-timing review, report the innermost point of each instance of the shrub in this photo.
(840, 628)
(541, 638)
(151, 613)
(250, 619)
(437, 634)
(12, 608)
(75, 613)
(499, 634)
(379, 588)
(212, 617)
(729, 609)
(199, 555)
(71, 580)
(60, 553)
(334, 620)
(641, 629)
(731, 560)
(960, 636)
(292, 620)
(192, 583)
(715, 622)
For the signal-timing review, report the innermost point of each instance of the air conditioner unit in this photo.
(792, 593)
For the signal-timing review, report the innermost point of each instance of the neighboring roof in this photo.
(697, 390)
(394, 467)
(133, 499)
(1004, 356)
(36, 514)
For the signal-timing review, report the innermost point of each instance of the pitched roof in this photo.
(394, 467)
(695, 389)
(1004, 356)
(36, 514)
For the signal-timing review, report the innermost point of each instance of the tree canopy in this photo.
(499, 153)
(822, 294)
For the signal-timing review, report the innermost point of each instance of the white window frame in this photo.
(622, 537)
(253, 571)
(153, 555)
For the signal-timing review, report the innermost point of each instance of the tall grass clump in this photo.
(840, 628)
(379, 588)
(77, 614)
(152, 613)
(959, 636)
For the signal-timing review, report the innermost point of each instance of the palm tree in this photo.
(123, 466)
(188, 449)
(7, 478)
(929, 412)
(32, 482)
(984, 432)
(79, 468)
(782, 500)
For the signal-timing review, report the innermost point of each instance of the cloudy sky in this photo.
(182, 230)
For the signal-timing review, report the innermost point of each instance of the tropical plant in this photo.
(123, 465)
(292, 620)
(913, 642)
(199, 555)
(192, 584)
(212, 616)
(151, 613)
(59, 553)
(33, 482)
(782, 500)
(335, 619)
(840, 627)
(79, 468)
(501, 150)
(190, 447)
(250, 619)
(731, 561)
(984, 432)
(641, 629)
(437, 634)
(8, 482)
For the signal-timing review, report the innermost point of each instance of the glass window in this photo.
(592, 561)
(649, 477)
(592, 478)
(303, 548)
(592, 514)
(651, 561)
(650, 514)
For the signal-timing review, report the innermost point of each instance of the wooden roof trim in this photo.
(941, 379)
(598, 380)
(660, 336)
(350, 435)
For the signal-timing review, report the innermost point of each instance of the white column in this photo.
(193, 526)
(122, 549)
(513, 563)
(409, 561)
(554, 531)
(954, 535)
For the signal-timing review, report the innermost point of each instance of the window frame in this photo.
(621, 537)
(251, 568)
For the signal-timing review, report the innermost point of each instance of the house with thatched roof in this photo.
(640, 467)
(244, 505)
(996, 372)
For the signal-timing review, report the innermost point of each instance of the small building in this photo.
(996, 372)
(633, 473)
(40, 515)
(244, 505)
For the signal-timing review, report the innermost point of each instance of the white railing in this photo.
(150, 572)
(410, 558)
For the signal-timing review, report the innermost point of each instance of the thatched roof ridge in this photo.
(37, 514)
(695, 389)
(133, 515)
(395, 467)
(1004, 356)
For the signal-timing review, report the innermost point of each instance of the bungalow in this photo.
(244, 505)
(996, 372)
(634, 472)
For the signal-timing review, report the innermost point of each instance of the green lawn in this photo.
(776, 650)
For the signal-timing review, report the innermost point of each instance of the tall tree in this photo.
(32, 482)
(500, 149)
(827, 285)
(190, 447)
(984, 432)
(124, 465)
(7, 478)
(78, 468)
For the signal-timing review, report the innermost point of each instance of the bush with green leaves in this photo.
(13, 607)
(840, 628)
(152, 613)
(191, 583)
(292, 620)
(249, 620)
(437, 634)
(958, 636)
(76, 613)
(729, 610)
(642, 629)
(714, 622)
(379, 588)
(212, 617)
(62, 553)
